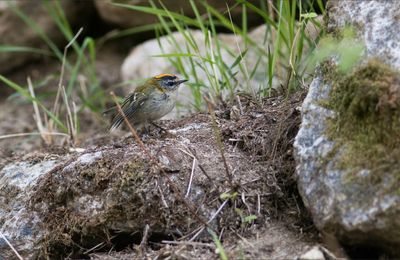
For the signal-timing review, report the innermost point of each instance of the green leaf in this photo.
(250, 218)
(239, 59)
(24, 92)
(225, 196)
(308, 15)
(218, 244)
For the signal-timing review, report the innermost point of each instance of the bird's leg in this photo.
(145, 129)
(159, 127)
(128, 138)
(163, 131)
(145, 132)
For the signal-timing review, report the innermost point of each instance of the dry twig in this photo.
(219, 143)
(145, 237)
(187, 243)
(192, 153)
(153, 160)
(11, 246)
(191, 178)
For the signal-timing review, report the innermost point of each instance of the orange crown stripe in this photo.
(164, 75)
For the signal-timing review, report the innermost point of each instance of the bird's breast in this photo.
(158, 105)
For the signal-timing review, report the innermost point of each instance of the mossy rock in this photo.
(367, 122)
(348, 154)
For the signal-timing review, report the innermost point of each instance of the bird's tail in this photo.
(115, 118)
(109, 111)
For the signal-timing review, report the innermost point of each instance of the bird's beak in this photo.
(181, 81)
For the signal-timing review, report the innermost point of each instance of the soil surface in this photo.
(261, 131)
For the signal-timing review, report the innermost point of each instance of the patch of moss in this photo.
(367, 123)
(328, 68)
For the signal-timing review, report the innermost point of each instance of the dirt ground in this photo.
(265, 132)
(262, 130)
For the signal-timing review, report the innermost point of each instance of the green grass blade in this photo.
(25, 93)
(157, 11)
(134, 30)
(38, 30)
(13, 48)
(218, 244)
(239, 58)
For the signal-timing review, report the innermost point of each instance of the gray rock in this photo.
(377, 23)
(357, 211)
(18, 223)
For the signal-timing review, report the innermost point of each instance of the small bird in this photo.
(148, 102)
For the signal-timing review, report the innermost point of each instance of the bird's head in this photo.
(168, 82)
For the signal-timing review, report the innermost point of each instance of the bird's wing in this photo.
(129, 106)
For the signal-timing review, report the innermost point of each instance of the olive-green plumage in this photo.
(148, 102)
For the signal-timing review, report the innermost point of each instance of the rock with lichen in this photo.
(347, 148)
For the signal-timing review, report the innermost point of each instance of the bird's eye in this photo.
(170, 83)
